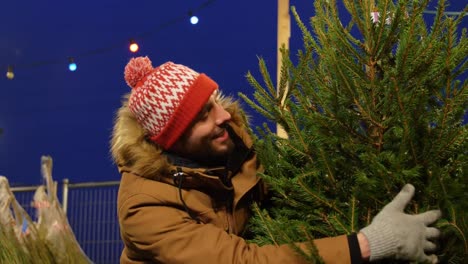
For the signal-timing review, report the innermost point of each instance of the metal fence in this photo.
(91, 210)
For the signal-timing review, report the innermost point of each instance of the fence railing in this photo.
(91, 210)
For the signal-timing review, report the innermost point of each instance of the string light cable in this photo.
(133, 45)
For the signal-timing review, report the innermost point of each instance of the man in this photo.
(189, 176)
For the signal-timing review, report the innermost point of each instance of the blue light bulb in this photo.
(72, 66)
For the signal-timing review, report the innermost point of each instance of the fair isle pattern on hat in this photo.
(156, 106)
(166, 99)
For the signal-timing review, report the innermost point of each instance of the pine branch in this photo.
(265, 222)
(319, 198)
(405, 122)
(269, 84)
(368, 108)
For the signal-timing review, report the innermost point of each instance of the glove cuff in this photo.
(382, 241)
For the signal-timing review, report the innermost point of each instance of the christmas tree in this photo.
(19, 238)
(50, 239)
(367, 106)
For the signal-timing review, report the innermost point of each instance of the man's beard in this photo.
(207, 155)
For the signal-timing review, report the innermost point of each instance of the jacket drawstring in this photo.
(178, 178)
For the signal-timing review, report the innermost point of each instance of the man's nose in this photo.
(222, 115)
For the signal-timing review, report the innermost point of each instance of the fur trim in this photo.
(130, 147)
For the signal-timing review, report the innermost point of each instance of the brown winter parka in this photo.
(174, 213)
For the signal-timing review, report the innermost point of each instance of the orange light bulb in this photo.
(134, 47)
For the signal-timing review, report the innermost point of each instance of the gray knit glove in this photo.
(394, 234)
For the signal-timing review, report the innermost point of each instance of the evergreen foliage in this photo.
(50, 239)
(368, 107)
(20, 241)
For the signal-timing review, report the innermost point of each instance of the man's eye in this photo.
(204, 117)
(203, 114)
(206, 112)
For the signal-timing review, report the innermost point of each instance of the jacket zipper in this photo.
(230, 214)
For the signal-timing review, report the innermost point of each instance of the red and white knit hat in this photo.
(166, 99)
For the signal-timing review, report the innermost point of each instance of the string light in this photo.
(193, 18)
(10, 74)
(133, 46)
(72, 65)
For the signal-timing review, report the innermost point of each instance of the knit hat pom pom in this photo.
(136, 70)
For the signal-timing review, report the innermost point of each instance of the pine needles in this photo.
(369, 107)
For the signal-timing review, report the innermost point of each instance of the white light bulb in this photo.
(194, 20)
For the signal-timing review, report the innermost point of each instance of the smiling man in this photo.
(207, 140)
(189, 177)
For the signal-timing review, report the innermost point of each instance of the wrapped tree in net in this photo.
(50, 239)
(52, 223)
(20, 241)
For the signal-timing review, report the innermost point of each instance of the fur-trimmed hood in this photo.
(131, 149)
